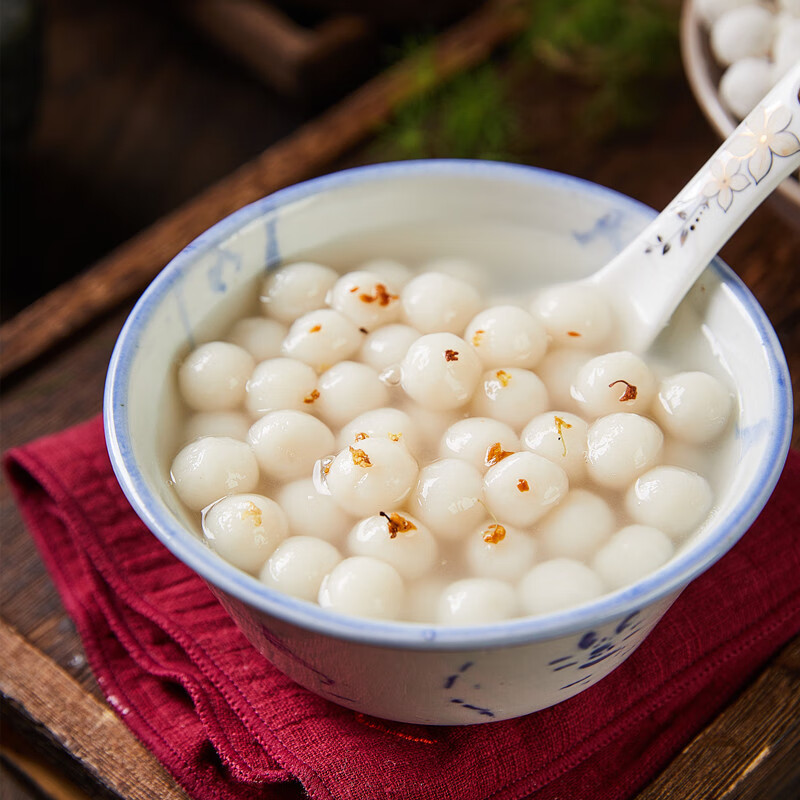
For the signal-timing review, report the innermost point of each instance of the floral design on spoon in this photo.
(747, 160)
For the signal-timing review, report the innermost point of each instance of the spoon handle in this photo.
(648, 279)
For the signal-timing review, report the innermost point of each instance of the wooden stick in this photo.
(128, 269)
(78, 724)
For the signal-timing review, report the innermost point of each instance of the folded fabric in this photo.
(226, 723)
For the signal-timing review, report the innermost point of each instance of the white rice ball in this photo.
(500, 551)
(440, 371)
(523, 487)
(322, 338)
(434, 302)
(296, 289)
(288, 443)
(473, 438)
(693, 406)
(710, 11)
(577, 527)
(447, 498)
(261, 337)
(621, 447)
(511, 395)
(387, 346)
(381, 423)
(245, 529)
(614, 382)
(214, 375)
(299, 565)
(422, 603)
(396, 538)
(744, 32)
(558, 370)
(575, 315)
(464, 269)
(631, 554)
(348, 389)
(558, 584)
(786, 46)
(507, 336)
(363, 587)
(280, 383)
(559, 437)
(371, 476)
(672, 499)
(430, 426)
(233, 424)
(365, 300)
(212, 467)
(476, 601)
(744, 83)
(311, 513)
(394, 274)
(791, 7)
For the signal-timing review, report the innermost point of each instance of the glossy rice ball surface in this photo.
(212, 467)
(363, 587)
(214, 375)
(245, 529)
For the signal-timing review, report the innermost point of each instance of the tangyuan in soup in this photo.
(397, 446)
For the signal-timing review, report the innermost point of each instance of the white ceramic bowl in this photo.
(533, 227)
(703, 74)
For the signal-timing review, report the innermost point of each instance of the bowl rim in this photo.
(664, 584)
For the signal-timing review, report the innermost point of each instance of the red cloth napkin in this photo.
(225, 723)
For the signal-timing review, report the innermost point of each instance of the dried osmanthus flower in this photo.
(360, 458)
(494, 533)
(561, 426)
(495, 454)
(397, 524)
(382, 295)
(628, 394)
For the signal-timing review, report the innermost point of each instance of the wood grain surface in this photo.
(130, 267)
(752, 751)
(749, 751)
(104, 749)
(301, 62)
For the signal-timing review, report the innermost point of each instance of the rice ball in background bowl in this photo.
(529, 229)
(733, 52)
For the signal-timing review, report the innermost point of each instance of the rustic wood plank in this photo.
(300, 62)
(66, 390)
(24, 754)
(86, 729)
(130, 267)
(751, 751)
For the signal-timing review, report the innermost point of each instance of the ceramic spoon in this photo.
(648, 279)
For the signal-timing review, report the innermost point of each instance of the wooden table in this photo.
(54, 712)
